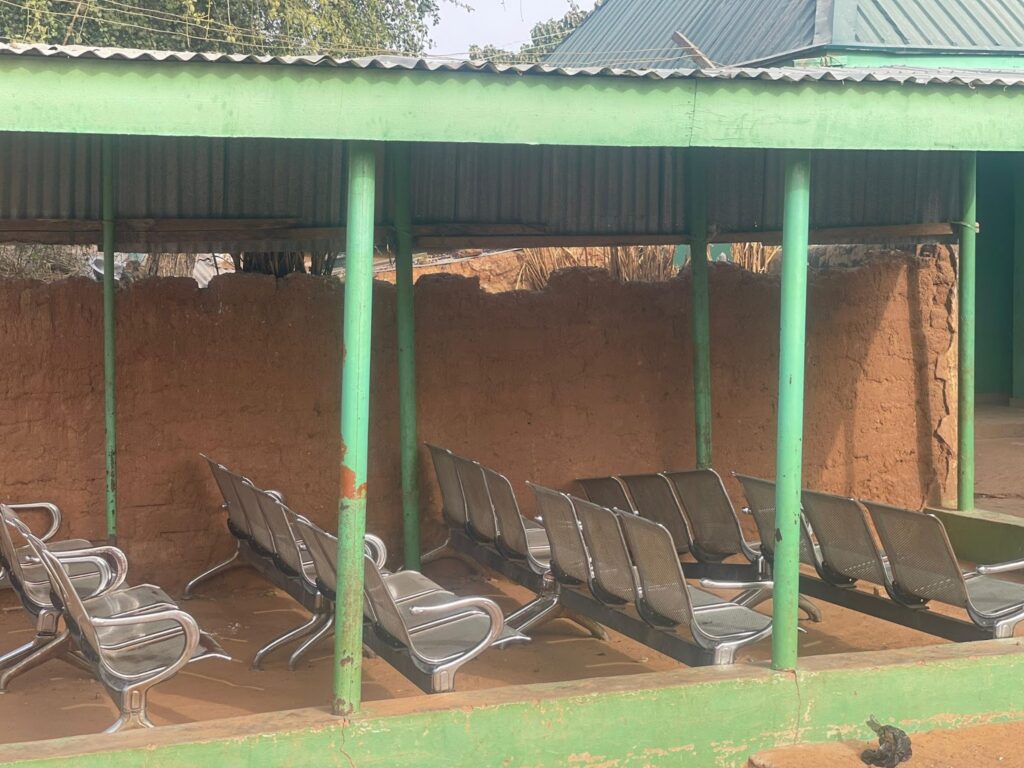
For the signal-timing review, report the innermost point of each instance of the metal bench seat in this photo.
(431, 638)
(714, 524)
(24, 552)
(628, 562)
(128, 654)
(608, 492)
(96, 570)
(494, 534)
(925, 568)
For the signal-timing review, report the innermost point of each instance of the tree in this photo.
(339, 27)
(544, 38)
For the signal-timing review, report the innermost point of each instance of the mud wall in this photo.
(587, 377)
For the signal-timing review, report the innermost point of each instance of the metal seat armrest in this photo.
(276, 495)
(489, 607)
(767, 586)
(45, 506)
(1010, 565)
(115, 560)
(376, 549)
(188, 626)
(108, 579)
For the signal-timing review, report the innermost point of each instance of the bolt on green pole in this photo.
(355, 418)
(109, 333)
(697, 196)
(406, 321)
(789, 446)
(967, 324)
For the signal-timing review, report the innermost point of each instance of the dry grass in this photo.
(757, 257)
(43, 262)
(640, 263)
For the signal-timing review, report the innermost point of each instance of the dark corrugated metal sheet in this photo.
(562, 190)
(895, 75)
(638, 33)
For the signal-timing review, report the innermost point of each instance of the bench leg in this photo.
(754, 597)
(40, 650)
(133, 711)
(326, 628)
(232, 562)
(813, 612)
(595, 629)
(288, 637)
(436, 553)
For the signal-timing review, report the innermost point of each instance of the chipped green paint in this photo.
(202, 99)
(689, 718)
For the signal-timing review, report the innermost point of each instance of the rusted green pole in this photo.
(967, 298)
(701, 320)
(789, 445)
(406, 321)
(109, 333)
(355, 418)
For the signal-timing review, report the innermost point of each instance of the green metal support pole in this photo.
(789, 447)
(355, 422)
(109, 334)
(967, 326)
(401, 178)
(701, 321)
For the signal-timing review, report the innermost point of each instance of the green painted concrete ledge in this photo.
(984, 537)
(690, 718)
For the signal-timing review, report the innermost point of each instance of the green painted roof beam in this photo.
(248, 100)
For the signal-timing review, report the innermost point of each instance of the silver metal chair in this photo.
(128, 653)
(714, 525)
(323, 549)
(665, 599)
(453, 505)
(925, 568)
(848, 550)
(94, 571)
(430, 639)
(54, 513)
(655, 500)
(480, 520)
(608, 492)
(761, 506)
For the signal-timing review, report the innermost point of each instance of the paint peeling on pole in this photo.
(355, 418)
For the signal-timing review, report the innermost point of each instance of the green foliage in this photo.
(339, 27)
(544, 38)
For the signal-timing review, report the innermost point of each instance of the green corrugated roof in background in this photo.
(638, 33)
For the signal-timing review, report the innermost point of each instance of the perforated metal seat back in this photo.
(613, 569)
(250, 507)
(709, 510)
(922, 559)
(382, 605)
(847, 546)
(657, 566)
(322, 548)
(654, 499)
(605, 491)
(506, 510)
(222, 476)
(761, 500)
(568, 552)
(77, 617)
(479, 511)
(8, 551)
(453, 502)
(276, 514)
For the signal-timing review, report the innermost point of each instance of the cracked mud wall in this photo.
(587, 377)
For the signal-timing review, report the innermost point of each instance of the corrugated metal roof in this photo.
(457, 188)
(984, 25)
(894, 75)
(638, 33)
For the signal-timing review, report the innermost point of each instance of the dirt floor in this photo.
(999, 456)
(986, 746)
(243, 616)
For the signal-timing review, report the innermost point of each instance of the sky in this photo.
(504, 24)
